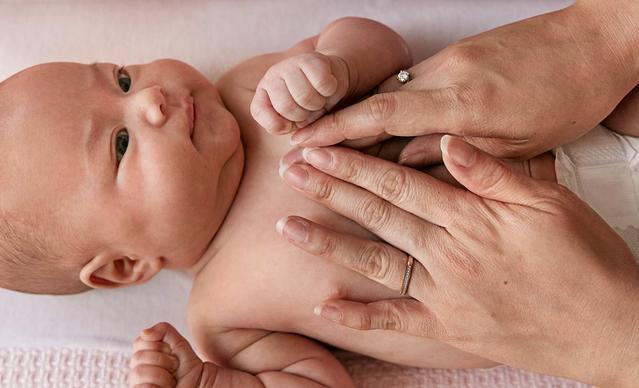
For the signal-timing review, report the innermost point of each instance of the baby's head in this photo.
(110, 174)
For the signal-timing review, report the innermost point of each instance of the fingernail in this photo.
(296, 176)
(328, 312)
(282, 169)
(459, 151)
(318, 157)
(301, 136)
(292, 229)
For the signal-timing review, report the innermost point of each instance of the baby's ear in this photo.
(108, 270)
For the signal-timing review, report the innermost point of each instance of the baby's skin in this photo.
(168, 171)
(251, 306)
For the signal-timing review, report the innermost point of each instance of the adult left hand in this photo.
(512, 269)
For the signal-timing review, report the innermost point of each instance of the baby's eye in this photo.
(121, 144)
(124, 80)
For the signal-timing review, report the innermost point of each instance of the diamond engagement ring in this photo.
(403, 76)
(408, 273)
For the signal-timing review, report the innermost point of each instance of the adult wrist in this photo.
(614, 27)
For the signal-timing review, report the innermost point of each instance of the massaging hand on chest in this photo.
(513, 269)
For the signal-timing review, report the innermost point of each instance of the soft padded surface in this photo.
(93, 330)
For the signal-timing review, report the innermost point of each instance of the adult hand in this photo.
(514, 91)
(512, 269)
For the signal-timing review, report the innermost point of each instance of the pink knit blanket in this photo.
(94, 368)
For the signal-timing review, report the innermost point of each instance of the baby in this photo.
(163, 170)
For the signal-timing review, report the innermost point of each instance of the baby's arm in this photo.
(347, 59)
(264, 359)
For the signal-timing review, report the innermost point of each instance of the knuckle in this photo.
(336, 123)
(287, 106)
(392, 319)
(464, 56)
(325, 80)
(466, 107)
(326, 246)
(323, 190)
(381, 107)
(393, 184)
(374, 213)
(304, 97)
(136, 358)
(163, 327)
(374, 260)
(351, 168)
(364, 322)
(494, 177)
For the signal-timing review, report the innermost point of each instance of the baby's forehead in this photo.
(56, 92)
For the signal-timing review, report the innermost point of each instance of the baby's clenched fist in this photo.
(299, 90)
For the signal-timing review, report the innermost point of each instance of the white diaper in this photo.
(602, 168)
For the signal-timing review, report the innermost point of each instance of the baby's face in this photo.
(136, 162)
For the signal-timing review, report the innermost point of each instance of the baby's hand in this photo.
(299, 90)
(163, 358)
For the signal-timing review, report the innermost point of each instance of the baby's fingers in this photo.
(150, 374)
(265, 115)
(150, 357)
(304, 94)
(283, 102)
(319, 72)
(159, 346)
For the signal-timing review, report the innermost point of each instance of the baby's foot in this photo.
(163, 358)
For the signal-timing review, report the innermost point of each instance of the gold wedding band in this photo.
(408, 273)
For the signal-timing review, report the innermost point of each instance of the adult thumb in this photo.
(484, 174)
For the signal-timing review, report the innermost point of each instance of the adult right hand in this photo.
(514, 91)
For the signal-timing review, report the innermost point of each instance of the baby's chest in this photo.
(271, 283)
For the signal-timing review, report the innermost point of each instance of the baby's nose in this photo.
(153, 102)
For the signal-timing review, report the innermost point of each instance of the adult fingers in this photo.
(405, 315)
(389, 149)
(400, 228)
(415, 192)
(376, 260)
(422, 151)
(400, 113)
(485, 175)
(366, 141)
